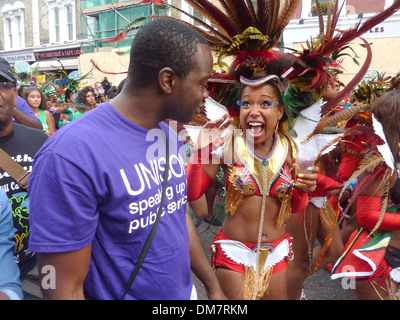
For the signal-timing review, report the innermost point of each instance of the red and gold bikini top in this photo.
(249, 176)
(244, 181)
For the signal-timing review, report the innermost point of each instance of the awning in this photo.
(48, 65)
(18, 55)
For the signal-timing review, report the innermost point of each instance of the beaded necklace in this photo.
(265, 160)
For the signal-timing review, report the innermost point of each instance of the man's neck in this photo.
(145, 110)
(6, 129)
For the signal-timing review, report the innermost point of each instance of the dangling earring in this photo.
(277, 126)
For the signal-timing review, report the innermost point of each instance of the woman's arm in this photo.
(369, 206)
(50, 123)
(200, 264)
(202, 167)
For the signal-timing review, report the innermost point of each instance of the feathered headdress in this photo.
(368, 90)
(248, 34)
(237, 29)
(314, 59)
(23, 73)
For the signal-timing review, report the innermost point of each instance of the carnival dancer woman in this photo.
(261, 194)
(373, 251)
(262, 188)
(318, 221)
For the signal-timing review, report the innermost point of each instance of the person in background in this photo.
(112, 93)
(86, 98)
(10, 284)
(101, 98)
(37, 102)
(22, 113)
(21, 143)
(120, 86)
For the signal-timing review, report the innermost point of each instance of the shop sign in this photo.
(60, 54)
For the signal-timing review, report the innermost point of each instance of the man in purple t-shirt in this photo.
(96, 185)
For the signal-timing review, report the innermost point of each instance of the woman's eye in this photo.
(267, 104)
(246, 104)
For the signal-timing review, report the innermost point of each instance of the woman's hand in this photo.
(211, 132)
(306, 180)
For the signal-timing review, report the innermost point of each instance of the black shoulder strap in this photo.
(153, 230)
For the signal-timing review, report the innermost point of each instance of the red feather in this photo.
(259, 55)
(156, 2)
(119, 37)
(97, 67)
(335, 18)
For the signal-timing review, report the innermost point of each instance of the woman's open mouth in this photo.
(255, 129)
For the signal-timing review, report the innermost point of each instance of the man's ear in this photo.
(167, 80)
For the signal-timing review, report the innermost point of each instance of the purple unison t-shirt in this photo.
(99, 180)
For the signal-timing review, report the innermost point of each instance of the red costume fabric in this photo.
(220, 260)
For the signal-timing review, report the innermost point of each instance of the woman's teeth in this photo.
(255, 127)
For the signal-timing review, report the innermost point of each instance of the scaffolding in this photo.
(104, 19)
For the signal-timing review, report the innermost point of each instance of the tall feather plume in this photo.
(272, 16)
(286, 15)
(215, 15)
(370, 160)
(231, 12)
(346, 114)
(243, 13)
(252, 12)
(329, 19)
(261, 13)
(339, 117)
(320, 20)
(264, 22)
(335, 19)
(226, 8)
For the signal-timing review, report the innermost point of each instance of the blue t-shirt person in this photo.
(109, 196)
(10, 283)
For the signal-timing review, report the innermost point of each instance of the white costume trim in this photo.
(240, 253)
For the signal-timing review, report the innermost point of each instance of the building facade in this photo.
(38, 31)
(102, 20)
